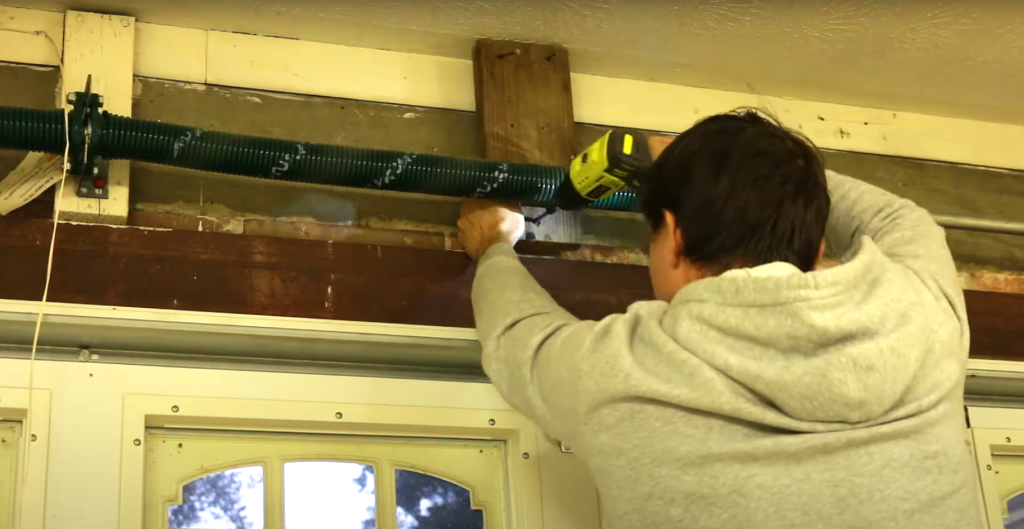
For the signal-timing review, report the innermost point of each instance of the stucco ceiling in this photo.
(962, 58)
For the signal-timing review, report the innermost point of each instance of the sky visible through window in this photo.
(320, 494)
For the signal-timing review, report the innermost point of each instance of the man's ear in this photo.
(657, 144)
(675, 235)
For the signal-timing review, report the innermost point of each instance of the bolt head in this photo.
(34, 437)
(174, 409)
(491, 422)
(338, 415)
(526, 455)
(137, 442)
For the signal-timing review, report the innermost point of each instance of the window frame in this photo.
(30, 487)
(148, 411)
(994, 432)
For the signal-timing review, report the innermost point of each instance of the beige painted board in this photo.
(301, 67)
(102, 46)
(168, 52)
(30, 36)
(673, 108)
(375, 75)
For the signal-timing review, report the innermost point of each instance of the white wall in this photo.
(86, 422)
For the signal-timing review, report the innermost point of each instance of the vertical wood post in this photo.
(102, 46)
(524, 102)
(524, 107)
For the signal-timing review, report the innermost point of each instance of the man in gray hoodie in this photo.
(755, 391)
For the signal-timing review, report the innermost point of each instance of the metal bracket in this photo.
(96, 185)
(566, 449)
(85, 120)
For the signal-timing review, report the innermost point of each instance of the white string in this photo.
(49, 261)
(42, 302)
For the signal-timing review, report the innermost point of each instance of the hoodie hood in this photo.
(848, 345)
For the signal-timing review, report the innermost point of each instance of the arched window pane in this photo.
(232, 499)
(428, 502)
(320, 494)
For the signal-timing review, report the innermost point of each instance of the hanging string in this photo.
(49, 262)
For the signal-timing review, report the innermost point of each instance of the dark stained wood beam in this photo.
(217, 272)
(997, 325)
(241, 274)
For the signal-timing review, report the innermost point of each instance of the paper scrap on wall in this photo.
(35, 174)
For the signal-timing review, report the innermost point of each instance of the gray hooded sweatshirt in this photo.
(824, 399)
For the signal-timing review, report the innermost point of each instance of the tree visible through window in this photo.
(428, 502)
(232, 499)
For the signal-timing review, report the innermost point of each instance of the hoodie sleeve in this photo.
(904, 232)
(533, 349)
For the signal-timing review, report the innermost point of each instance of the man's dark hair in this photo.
(744, 191)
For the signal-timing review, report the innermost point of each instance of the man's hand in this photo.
(484, 223)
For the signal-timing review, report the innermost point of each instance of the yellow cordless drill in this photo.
(613, 162)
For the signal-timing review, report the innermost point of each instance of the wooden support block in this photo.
(524, 108)
(524, 102)
(102, 46)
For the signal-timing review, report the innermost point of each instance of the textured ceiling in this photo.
(962, 58)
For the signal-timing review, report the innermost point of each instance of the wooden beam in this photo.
(996, 320)
(217, 272)
(524, 102)
(524, 112)
(102, 46)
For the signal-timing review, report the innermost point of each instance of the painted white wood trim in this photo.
(31, 496)
(992, 417)
(102, 46)
(168, 52)
(168, 337)
(22, 39)
(302, 67)
(95, 315)
(672, 108)
(1006, 368)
